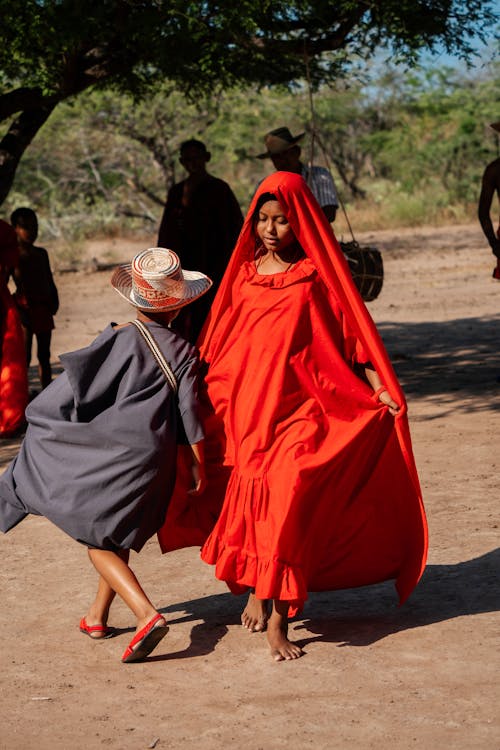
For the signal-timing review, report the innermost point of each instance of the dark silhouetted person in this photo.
(36, 293)
(489, 186)
(201, 223)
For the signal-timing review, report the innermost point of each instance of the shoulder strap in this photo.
(155, 350)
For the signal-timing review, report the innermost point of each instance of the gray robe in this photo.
(99, 454)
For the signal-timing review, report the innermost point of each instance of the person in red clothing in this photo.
(36, 293)
(13, 370)
(306, 420)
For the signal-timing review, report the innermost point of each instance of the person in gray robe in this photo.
(100, 451)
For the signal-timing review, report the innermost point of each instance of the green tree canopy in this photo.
(406, 149)
(51, 50)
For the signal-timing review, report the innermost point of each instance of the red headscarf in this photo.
(393, 543)
(319, 243)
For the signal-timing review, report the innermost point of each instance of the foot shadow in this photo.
(354, 617)
(217, 613)
(366, 615)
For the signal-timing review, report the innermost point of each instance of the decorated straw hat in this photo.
(279, 140)
(155, 281)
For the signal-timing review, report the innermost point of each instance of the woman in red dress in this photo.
(307, 422)
(13, 371)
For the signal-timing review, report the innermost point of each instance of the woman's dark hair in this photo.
(260, 202)
(255, 216)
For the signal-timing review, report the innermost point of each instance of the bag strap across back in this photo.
(156, 352)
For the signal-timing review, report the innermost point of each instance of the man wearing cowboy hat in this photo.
(489, 186)
(284, 152)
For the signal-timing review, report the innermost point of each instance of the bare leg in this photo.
(277, 633)
(98, 612)
(121, 579)
(254, 616)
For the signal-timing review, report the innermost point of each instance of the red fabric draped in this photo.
(13, 371)
(314, 480)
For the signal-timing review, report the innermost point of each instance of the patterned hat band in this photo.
(155, 281)
(157, 277)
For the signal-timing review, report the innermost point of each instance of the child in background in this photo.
(100, 452)
(36, 293)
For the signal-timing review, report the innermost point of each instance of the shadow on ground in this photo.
(448, 360)
(456, 363)
(355, 617)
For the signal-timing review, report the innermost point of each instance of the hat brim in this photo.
(290, 145)
(195, 285)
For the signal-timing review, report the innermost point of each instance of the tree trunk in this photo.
(15, 142)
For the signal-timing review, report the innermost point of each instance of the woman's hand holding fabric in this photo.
(386, 398)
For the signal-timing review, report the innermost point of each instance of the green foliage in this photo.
(406, 150)
(443, 128)
(53, 50)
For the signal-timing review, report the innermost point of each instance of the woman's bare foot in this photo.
(254, 616)
(277, 634)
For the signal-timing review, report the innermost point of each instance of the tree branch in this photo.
(304, 41)
(17, 139)
(140, 187)
(22, 99)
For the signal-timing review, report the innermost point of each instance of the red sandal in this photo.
(89, 629)
(145, 640)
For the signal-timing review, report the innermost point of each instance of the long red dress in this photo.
(13, 370)
(317, 480)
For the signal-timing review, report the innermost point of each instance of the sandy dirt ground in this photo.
(374, 676)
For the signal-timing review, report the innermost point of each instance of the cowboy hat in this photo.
(278, 141)
(495, 126)
(155, 281)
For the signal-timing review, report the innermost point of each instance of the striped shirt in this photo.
(322, 185)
